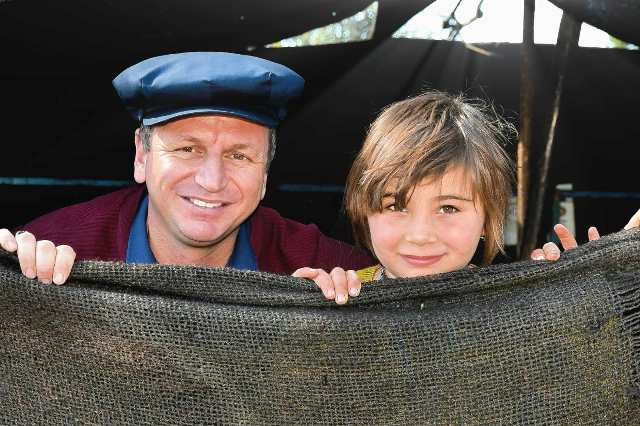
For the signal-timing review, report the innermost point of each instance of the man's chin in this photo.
(203, 239)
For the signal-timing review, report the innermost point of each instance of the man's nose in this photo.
(421, 230)
(211, 174)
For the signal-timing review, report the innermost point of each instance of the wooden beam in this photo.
(526, 117)
(567, 41)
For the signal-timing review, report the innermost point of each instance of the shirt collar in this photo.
(139, 250)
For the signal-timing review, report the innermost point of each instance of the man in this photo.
(202, 154)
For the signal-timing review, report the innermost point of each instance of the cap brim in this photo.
(158, 118)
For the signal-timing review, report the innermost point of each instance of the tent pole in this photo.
(567, 41)
(526, 117)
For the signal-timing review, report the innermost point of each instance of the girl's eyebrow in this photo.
(452, 197)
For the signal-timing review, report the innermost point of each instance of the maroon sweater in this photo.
(99, 229)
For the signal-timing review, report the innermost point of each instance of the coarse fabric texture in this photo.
(530, 342)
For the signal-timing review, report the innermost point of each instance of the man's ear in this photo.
(140, 159)
(264, 186)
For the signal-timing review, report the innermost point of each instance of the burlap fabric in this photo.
(544, 343)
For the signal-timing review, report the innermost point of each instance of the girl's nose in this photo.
(421, 230)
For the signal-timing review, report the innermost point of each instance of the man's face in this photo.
(205, 175)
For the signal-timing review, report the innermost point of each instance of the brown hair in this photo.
(422, 137)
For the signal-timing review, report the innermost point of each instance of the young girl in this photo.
(430, 182)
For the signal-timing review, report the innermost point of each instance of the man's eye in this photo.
(239, 156)
(448, 209)
(185, 149)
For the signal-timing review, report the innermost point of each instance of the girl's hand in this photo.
(337, 285)
(550, 251)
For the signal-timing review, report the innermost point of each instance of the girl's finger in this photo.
(567, 240)
(339, 277)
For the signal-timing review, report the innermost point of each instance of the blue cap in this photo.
(171, 86)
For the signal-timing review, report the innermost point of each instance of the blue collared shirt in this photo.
(139, 250)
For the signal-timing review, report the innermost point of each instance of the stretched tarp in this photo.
(620, 18)
(545, 343)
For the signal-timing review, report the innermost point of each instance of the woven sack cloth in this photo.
(528, 342)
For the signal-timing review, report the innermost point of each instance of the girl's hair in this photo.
(423, 137)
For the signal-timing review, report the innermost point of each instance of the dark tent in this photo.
(63, 119)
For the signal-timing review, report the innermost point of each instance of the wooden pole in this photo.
(526, 118)
(567, 41)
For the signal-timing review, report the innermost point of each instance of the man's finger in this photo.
(7, 240)
(65, 256)
(593, 233)
(634, 222)
(45, 260)
(551, 251)
(354, 283)
(567, 240)
(537, 254)
(27, 253)
(339, 277)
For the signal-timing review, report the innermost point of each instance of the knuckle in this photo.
(44, 270)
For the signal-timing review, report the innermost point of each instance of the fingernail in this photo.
(538, 257)
(341, 298)
(354, 291)
(45, 281)
(330, 294)
(30, 273)
(57, 278)
(11, 246)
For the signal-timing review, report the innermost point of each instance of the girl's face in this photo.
(437, 232)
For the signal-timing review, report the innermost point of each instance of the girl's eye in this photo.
(448, 209)
(394, 208)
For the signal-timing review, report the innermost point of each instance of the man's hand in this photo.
(41, 259)
(337, 285)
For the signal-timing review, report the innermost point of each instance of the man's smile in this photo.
(205, 204)
(202, 204)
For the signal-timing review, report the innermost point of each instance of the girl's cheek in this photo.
(462, 234)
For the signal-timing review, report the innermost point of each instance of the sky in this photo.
(501, 22)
